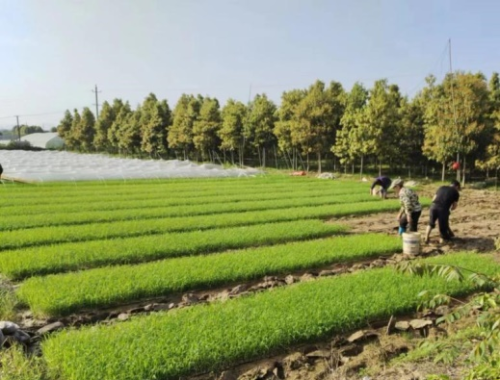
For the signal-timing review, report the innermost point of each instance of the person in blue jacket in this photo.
(384, 183)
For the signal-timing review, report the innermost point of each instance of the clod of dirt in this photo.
(227, 375)
(123, 316)
(238, 289)
(189, 298)
(351, 350)
(263, 371)
(307, 277)
(402, 325)
(50, 328)
(319, 354)
(362, 335)
(420, 323)
(290, 279)
(293, 361)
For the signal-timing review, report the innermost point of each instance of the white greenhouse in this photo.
(49, 140)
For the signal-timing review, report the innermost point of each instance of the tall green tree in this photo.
(260, 125)
(411, 133)
(123, 112)
(64, 126)
(491, 159)
(180, 133)
(349, 143)
(70, 139)
(85, 131)
(103, 124)
(318, 117)
(155, 119)
(206, 128)
(458, 118)
(130, 133)
(234, 115)
(287, 122)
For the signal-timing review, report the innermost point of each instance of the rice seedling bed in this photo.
(213, 336)
(37, 236)
(21, 263)
(67, 293)
(12, 222)
(81, 204)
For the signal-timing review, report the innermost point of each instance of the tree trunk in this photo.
(443, 171)
(319, 162)
(463, 172)
(361, 165)
(353, 168)
(379, 168)
(260, 157)
(276, 156)
(264, 157)
(307, 161)
(458, 170)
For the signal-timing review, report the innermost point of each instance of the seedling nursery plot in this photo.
(72, 248)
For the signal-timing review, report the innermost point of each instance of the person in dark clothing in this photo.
(1, 171)
(384, 183)
(445, 200)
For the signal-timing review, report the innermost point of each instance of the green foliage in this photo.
(210, 337)
(14, 365)
(180, 133)
(61, 294)
(154, 122)
(102, 126)
(234, 116)
(349, 143)
(260, 124)
(484, 353)
(8, 302)
(122, 112)
(206, 128)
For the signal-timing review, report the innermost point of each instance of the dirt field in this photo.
(476, 222)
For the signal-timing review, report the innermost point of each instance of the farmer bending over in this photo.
(384, 183)
(410, 206)
(445, 200)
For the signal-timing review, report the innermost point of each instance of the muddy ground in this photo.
(476, 222)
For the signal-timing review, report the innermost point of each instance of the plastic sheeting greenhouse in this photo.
(66, 166)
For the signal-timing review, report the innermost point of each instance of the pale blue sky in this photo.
(52, 52)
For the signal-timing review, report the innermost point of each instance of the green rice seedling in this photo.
(66, 293)
(107, 230)
(74, 256)
(210, 337)
(12, 222)
(161, 200)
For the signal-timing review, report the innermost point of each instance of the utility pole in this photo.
(18, 128)
(96, 92)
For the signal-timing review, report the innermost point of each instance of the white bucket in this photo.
(411, 243)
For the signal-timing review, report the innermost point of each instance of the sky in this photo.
(53, 52)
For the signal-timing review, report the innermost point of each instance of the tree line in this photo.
(457, 120)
